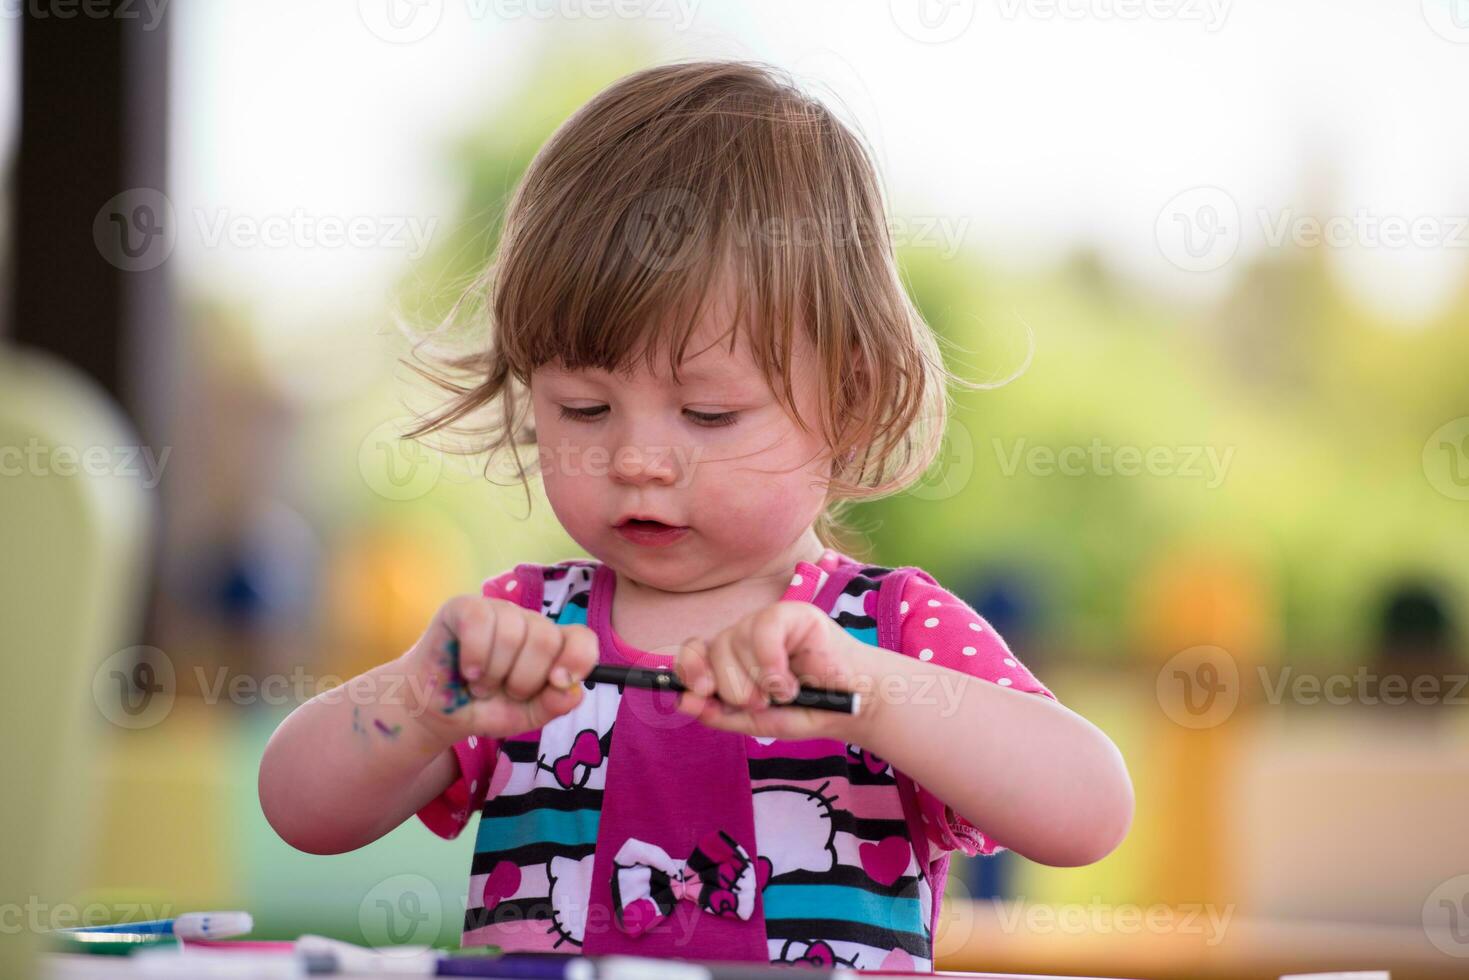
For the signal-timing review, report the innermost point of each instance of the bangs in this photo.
(632, 233)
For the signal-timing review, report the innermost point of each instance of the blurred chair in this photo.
(70, 594)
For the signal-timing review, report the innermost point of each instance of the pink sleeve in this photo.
(449, 812)
(939, 627)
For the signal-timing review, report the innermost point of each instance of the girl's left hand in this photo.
(733, 679)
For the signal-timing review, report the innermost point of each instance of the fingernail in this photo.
(471, 671)
(561, 677)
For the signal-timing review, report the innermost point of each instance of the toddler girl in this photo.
(696, 319)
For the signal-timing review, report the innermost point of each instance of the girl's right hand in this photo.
(491, 668)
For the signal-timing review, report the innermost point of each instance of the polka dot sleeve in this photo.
(448, 813)
(938, 627)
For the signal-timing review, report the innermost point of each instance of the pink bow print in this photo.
(585, 751)
(718, 876)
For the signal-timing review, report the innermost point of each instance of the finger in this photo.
(508, 637)
(507, 716)
(769, 655)
(732, 681)
(777, 722)
(552, 702)
(470, 623)
(690, 703)
(691, 666)
(528, 673)
(579, 653)
(743, 644)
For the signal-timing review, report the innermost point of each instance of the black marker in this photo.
(664, 679)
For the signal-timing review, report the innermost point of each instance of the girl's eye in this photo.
(582, 414)
(713, 420)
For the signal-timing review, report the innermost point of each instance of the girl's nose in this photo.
(635, 464)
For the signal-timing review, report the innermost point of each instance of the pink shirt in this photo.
(847, 869)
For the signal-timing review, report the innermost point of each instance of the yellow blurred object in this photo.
(167, 826)
(1204, 618)
(74, 537)
(383, 587)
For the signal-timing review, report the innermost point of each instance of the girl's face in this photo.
(717, 455)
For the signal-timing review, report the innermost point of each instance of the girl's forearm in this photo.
(352, 763)
(1041, 779)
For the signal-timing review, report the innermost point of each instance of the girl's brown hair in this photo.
(643, 198)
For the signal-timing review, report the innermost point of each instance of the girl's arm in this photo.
(354, 762)
(1039, 778)
(332, 780)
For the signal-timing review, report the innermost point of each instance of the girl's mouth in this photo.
(651, 533)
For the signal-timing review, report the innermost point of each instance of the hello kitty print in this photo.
(623, 826)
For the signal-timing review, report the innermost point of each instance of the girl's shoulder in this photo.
(550, 588)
